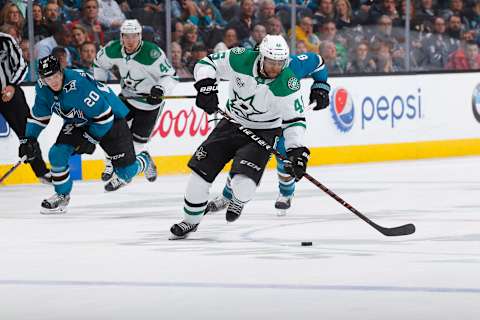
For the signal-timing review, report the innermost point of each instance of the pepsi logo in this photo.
(342, 109)
(476, 102)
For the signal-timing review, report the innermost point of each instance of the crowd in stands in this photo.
(353, 37)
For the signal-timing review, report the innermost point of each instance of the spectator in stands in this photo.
(361, 62)
(437, 46)
(243, 23)
(274, 26)
(266, 10)
(329, 33)
(304, 32)
(89, 20)
(25, 47)
(425, 15)
(384, 34)
(230, 40)
(88, 51)
(456, 7)
(40, 29)
(52, 13)
(343, 14)
(61, 54)
(474, 17)
(455, 27)
(229, 9)
(10, 14)
(199, 51)
(466, 58)
(258, 33)
(189, 11)
(110, 15)
(384, 59)
(11, 30)
(177, 62)
(301, 47)
(177, 31)
(329, 55)
(79, 37)
(190, 37)
(323, 12)
(61, 37)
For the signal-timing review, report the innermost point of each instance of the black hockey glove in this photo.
(207, 98)
(156, 95)
(296, 165)
(319, 92)
(86, 145)
(29, 147)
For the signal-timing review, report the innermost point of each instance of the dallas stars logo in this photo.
(70, 86)
(130, 83)
(243, 107)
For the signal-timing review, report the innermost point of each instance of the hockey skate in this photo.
(55, 204)
(114, 183)
(108, 172)
(282, 204)
(217, 204)
(150, 168)
(182, 230)
(46, 178)
(234, 210)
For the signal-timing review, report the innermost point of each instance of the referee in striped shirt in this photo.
(13, 106)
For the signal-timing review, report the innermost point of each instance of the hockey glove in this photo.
(207, 98)
(29, 147)
(296, 165)
(319, 92)
(156, 95)
(86, 145)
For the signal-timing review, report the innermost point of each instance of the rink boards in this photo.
(369, 119)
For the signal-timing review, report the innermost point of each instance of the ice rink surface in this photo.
(109, 257)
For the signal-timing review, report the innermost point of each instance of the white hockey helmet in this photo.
(274, 47)
(131, 26)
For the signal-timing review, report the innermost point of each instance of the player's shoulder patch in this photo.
(149, 53)
(242, 60)
(113, 49)
(285, 84)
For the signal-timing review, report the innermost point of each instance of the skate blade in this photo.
(174, 237)
(281, 212)
(46, 211)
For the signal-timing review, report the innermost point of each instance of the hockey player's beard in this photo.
(262, 73)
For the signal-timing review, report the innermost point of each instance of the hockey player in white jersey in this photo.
(146, 76)
(264, 96)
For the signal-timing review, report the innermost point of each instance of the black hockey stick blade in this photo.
(404, 230)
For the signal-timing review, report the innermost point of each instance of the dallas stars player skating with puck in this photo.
(264, 96)
(146, 76)
(302, 65)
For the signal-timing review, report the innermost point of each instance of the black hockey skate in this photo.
(55, 204)
(150, 167)
(182, 230)
(217, 204)
(114, 183)
(108, 172)
(282, 204)
(234, 210)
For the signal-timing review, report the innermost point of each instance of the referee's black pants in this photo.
(16, 112)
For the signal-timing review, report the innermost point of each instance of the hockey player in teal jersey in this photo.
(92, 115)
(303, 66)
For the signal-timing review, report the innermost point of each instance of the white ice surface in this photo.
(109, 257)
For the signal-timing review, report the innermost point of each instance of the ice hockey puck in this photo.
(306, 243)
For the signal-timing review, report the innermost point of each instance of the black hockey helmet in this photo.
(48, 65)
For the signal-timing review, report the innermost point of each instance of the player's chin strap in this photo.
(395, 231)
(10, 171)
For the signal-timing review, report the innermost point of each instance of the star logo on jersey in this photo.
(129, 83)
(70, 86)
(243, 107)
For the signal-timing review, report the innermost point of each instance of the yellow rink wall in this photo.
(168, 165)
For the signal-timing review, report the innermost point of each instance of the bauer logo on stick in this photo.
(342, 109)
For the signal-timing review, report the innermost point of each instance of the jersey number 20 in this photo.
(91, 99)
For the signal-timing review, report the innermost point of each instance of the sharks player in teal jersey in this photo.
(92, 115)
(303, 66)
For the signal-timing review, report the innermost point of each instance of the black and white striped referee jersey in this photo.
(13, 68)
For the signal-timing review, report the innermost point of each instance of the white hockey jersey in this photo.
(139, 72)
(255, 102)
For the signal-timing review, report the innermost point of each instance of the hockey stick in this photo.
(144, 95)
(9, 172)
(391, 232)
